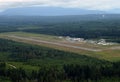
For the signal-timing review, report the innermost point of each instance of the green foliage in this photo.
(87, 26)
(38, 55)
(70, 73)
(108, 29)
(54, 65)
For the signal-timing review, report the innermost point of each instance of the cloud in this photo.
(84, 4)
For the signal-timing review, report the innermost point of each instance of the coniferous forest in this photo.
(22, 62)
(83, 26)
(59, 65)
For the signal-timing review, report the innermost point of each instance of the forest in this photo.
(22, 62)
(68, 73)
(87, 26)
(54, 65)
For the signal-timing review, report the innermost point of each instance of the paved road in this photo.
(115, 48)
(55, 43)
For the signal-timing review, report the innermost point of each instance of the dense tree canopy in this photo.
(88, 26)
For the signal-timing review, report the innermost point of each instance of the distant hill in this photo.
(55, 19)
(48, 11)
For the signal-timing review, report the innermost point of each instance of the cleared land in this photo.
(111, 53)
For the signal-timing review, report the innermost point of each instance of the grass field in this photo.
(111, 53)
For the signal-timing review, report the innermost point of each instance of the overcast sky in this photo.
(83, 4)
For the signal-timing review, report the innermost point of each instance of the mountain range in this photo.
(53, 11)
(48, 11)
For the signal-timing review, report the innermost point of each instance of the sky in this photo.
(103, 5)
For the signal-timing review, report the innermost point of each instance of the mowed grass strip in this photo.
(107, 54)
